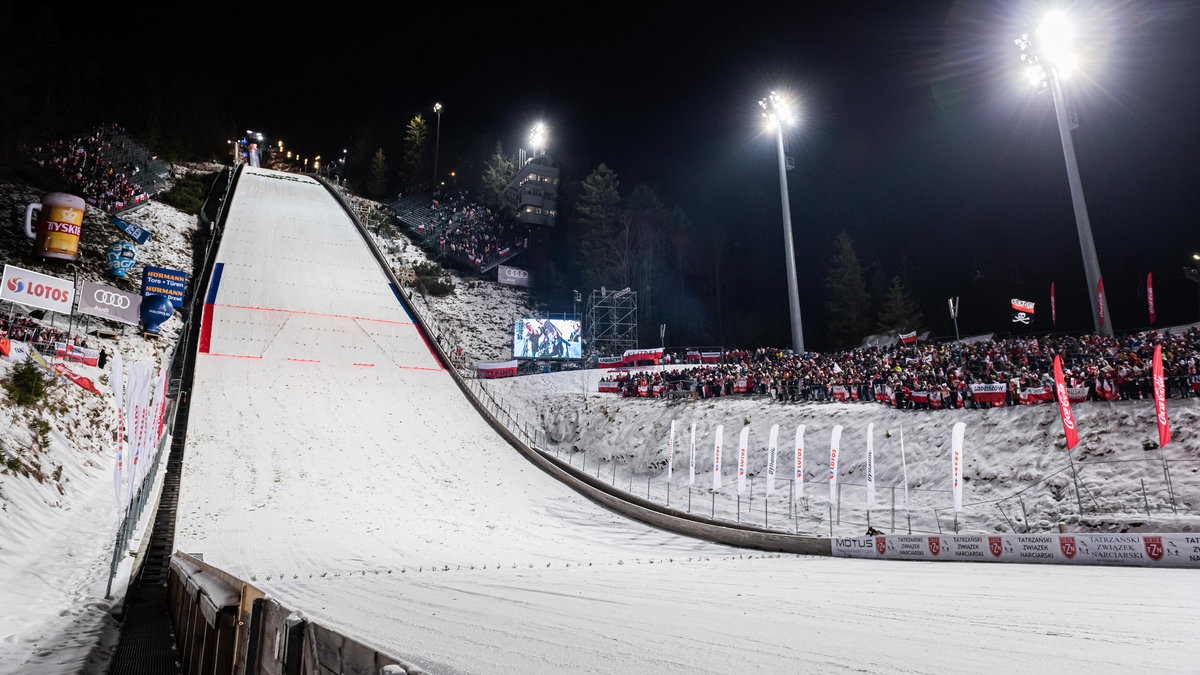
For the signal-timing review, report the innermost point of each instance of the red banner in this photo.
(608, 387)
(1150, 297)
(1064, 405)
(908, 337)
(1160, 400)
(496, 369)
(84, 382)
(1053, 308)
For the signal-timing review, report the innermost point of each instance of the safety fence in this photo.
(223, 624)
(1140, 493)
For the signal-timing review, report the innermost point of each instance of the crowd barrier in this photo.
(224, 625)
(1144, 550)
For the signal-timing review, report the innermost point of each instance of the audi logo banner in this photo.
(513, 276)
(107, 302)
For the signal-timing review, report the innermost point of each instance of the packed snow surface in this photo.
(333, 463)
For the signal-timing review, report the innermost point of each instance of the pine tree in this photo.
(497, 172)
(416, 142)
(377, 182)
(598, 215)
(847, 302)
(899, 314)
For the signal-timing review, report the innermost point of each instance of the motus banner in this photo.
(1148, 550)
(107, 302)
(513, 276)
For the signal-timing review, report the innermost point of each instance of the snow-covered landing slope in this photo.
(337, 486)
(324, 436)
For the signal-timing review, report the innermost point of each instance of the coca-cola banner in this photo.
(1064, 405)
(1143, 550)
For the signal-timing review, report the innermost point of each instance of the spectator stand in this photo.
(981, 374)
(106, 167)
(452, 227)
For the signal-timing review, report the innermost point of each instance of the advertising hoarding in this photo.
(107, 302)
(513, 276)
(168, 283)
(33, 289)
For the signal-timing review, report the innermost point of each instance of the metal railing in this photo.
(144, 492)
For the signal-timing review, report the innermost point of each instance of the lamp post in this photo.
(437, 144)
(777, 112)
(1050, 57)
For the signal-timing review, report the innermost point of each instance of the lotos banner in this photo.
(33, 289)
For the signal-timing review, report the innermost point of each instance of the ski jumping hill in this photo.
(334, 463)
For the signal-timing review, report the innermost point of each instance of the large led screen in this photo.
(547, 339)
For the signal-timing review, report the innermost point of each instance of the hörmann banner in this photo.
(107, 302)
(513, 276)
(162, 281)
(26, 287)
(1146, 550)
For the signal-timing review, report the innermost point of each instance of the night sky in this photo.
(919, 138)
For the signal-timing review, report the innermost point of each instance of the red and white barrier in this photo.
(1141, 550)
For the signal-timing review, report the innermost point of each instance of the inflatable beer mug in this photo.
(59, 222)
(121, 256)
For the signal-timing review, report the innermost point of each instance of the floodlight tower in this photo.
(777, 112)
(437, 144)
(1050, 57)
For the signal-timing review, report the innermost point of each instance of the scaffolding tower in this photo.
(611, 325)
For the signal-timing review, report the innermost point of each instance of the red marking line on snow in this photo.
(368, 365)
(304, 360)
(435, 370)
(332, 316)
(234, 356)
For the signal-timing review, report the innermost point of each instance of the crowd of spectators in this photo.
(469, 232)
(101, 166)
(931, 375)
(27, 329)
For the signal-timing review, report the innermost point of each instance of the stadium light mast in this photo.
(777, 112)
(437, 144)
(1050, 57)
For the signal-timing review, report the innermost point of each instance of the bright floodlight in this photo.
(776, 108)
(538, 136)
(1056, 40)
(437, 107)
